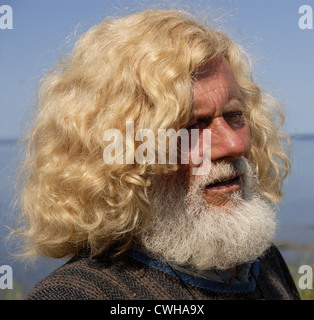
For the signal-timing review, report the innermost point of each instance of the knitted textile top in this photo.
(133, 278)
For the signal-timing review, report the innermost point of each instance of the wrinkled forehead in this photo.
(211, 68)
(215, 77)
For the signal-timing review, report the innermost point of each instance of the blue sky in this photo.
(283, 54)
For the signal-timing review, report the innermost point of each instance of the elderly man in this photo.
(146, 229)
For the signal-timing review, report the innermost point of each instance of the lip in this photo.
(227, 186)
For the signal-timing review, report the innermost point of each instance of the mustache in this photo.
(224, 171)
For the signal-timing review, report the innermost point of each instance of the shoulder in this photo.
(275, 277)
(99, 278)
(272, 261)
(82, 278)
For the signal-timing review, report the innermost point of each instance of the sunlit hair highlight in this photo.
(137, 68)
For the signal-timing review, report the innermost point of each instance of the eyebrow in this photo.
(232, 103)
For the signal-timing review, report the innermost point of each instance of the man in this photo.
(148, 229)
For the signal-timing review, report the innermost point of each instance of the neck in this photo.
(233, 271)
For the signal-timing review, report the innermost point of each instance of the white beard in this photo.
(185, 229)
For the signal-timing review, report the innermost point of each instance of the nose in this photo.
(228, 143)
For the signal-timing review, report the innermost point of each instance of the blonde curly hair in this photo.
(138, 68)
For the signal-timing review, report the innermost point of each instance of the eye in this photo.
(235, 119)
(201, 124)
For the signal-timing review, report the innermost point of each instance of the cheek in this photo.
(210, 144)
(246, 138)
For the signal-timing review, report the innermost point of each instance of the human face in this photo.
(218, 107)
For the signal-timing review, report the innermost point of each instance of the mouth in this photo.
(232, 183)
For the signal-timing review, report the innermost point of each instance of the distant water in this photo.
(295, 236)
(296, 217)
